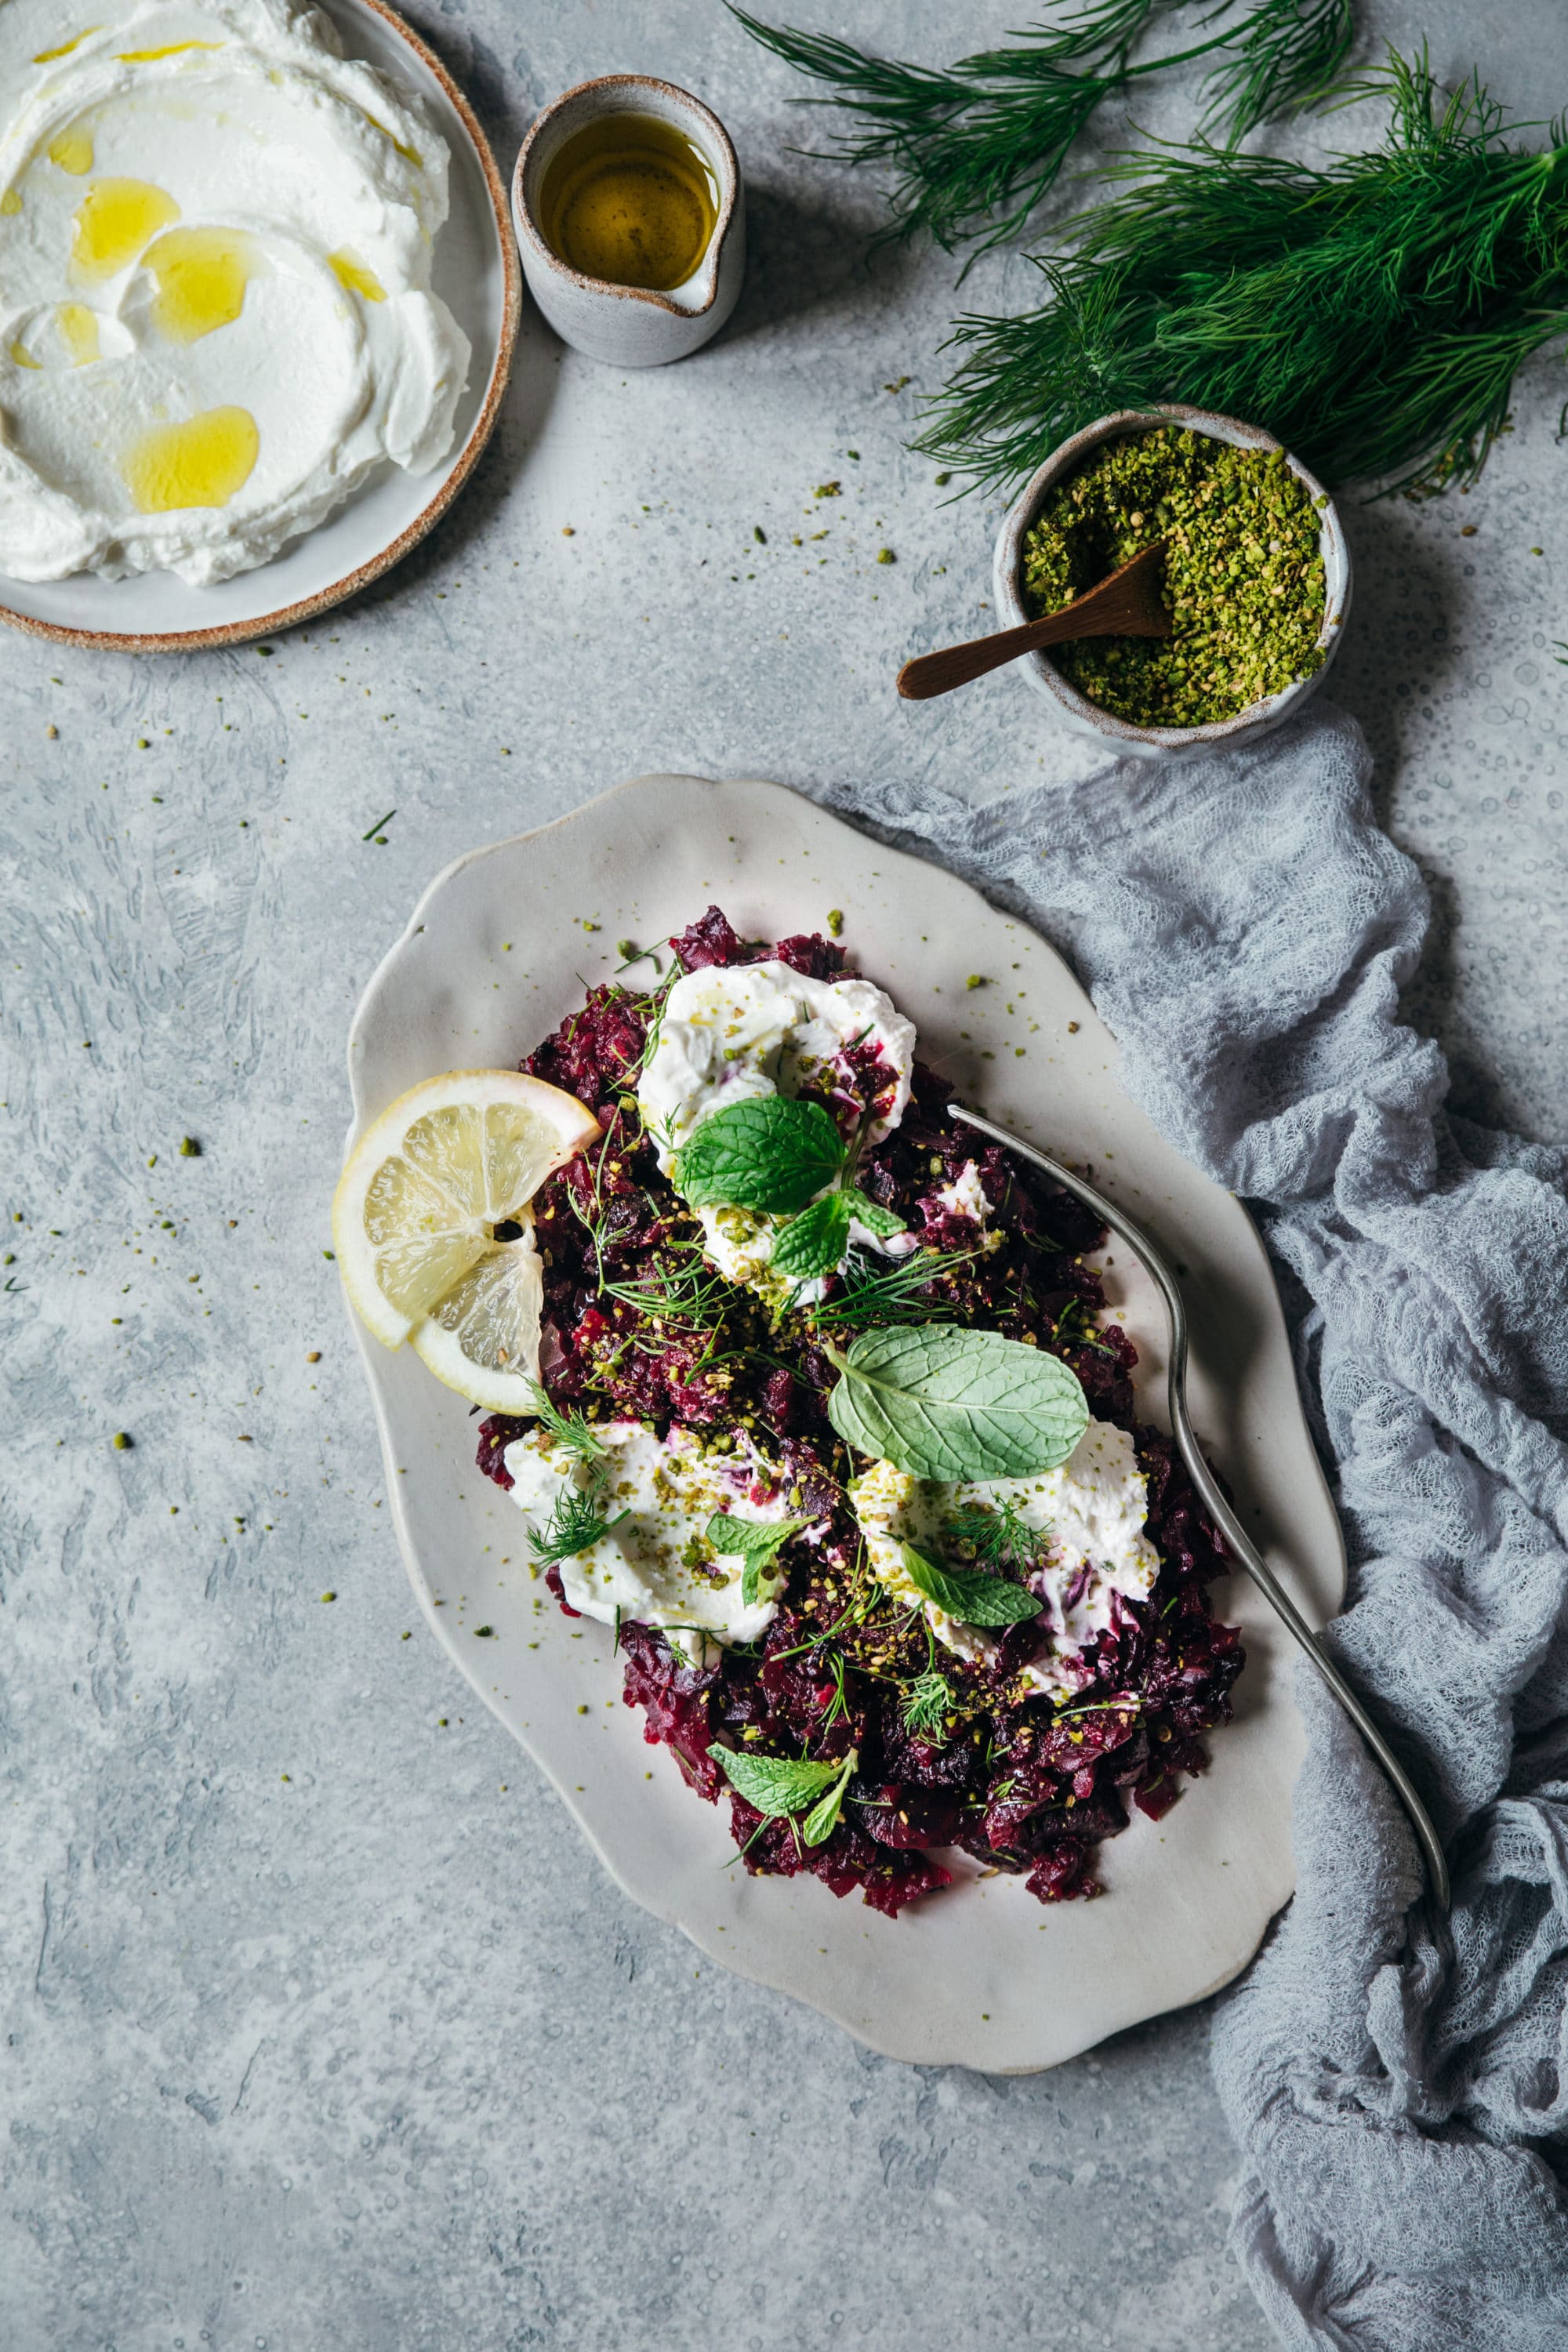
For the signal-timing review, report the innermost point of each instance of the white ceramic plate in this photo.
(477, 274)
(495, 956)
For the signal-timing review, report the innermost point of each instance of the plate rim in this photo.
(307, 608)
(867, 2030)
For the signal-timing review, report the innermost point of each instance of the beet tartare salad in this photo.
(826, 1423)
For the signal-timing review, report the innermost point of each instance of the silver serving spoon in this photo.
(1219, 1510)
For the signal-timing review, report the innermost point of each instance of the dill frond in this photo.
(576, 1523)
(1371, 313)
(688, 1295)
(1283, 57)
(570, 1429)
(927, 1700)
(876, 1292)
(998, 1536)
(976, 145)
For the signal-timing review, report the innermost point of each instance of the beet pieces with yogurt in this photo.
(1023, 1783)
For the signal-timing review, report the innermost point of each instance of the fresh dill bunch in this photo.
(976, 146)
(575, 1524)
(877, 1291)
(927, 1701)
(1372, 312)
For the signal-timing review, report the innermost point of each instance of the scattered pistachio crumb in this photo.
(759, 534)
(834, 922)
(1072, 1028)
(975, 980)
(312, 1354)
(886, 555)
(52, 732)
(122, 1441)
(329, 1596)
(189, 1148)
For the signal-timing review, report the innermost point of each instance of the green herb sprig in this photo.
(967, 1594)
(576, 1525)
(774, 1155)
(875, 1293)
(1372, 313)
(771, 1153)
(755, 1542)
(1000, 1537)
(783, 1790)
(570, 1429)
(950, 1405)
(976, 146)
(928, 1701)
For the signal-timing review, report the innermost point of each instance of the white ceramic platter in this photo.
(495, 956)
(477, 274)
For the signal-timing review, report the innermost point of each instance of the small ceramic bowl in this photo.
(1074, 709)
(630, 325)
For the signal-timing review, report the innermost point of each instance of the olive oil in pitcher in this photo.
(631, 201)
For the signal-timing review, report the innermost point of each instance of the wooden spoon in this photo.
(1128, 604)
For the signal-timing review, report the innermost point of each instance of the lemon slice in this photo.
(416, 1212)
(482, 1339)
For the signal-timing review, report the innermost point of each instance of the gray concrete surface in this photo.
(322, 2027)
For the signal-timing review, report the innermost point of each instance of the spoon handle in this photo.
(939, 673)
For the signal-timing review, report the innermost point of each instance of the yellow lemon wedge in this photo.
(415, 1221)
(482, 1339)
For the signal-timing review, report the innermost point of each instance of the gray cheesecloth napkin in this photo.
(1399, 2087)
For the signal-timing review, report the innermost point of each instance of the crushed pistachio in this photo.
(1243, 574)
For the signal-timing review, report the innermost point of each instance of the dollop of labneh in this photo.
(733, 1032)
(217, 316)
(1084, 1522)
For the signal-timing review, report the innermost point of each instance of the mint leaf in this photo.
(755, 1542)
(771, 1153)
(815, 1242)
(874, 1217)
(967, 1594)
(776, 1785)
(823, 1820)
(949, 1405)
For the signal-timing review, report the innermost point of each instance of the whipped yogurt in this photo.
(1089, 1513)
(216, 317)
(658, 1567)
(732, 1032)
